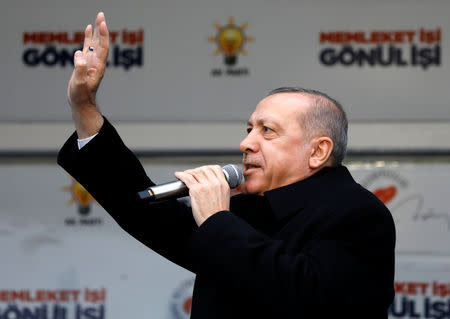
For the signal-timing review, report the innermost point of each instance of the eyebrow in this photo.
(262, 121)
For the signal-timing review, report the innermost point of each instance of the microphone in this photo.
(233, 175)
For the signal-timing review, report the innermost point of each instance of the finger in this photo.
(80, 66)
(216, 176)
(100, 18)
(218, 172)
(197, 174)
(103, 45)
(209, 174)
(203, 174)
(87, 38)
(77, 55)
(188, 179)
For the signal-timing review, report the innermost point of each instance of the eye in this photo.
(249, 129)
(267, 129)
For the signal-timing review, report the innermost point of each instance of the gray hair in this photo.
(326, 117)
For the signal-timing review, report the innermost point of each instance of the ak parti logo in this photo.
(230, 40)
(80, 196)
(83, 200)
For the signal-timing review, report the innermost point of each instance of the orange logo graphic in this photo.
(80, 196)
(188, 305)
(386, 194)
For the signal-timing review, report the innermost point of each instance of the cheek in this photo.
(287, 164)
(280, 160)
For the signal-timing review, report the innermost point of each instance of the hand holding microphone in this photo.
(207, 186)
(175, 189)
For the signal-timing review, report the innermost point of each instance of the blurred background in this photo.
(183, 79)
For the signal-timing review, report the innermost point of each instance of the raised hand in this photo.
(90, 65)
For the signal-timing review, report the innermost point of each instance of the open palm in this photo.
(90, 65)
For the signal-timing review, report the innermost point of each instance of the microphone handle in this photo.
(175, 189)
(166, 190)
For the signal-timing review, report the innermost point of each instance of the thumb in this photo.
(80, 64)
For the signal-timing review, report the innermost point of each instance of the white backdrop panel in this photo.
(421, 287)
(47, 243)
(174, 80)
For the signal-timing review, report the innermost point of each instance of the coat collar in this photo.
(292, 198)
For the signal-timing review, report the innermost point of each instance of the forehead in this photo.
(281, 108)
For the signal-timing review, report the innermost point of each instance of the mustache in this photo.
(247, 160)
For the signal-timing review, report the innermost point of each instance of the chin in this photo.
(252, 188)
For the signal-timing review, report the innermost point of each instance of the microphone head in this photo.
(233, 174)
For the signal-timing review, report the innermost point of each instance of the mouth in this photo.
(249, 167)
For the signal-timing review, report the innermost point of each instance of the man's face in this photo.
(275, 151)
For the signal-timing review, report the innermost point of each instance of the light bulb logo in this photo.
(230, 40)
(80, 196)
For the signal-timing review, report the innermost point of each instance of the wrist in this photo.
(87, 119)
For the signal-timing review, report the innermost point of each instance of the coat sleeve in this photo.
(113, 175)
(339, 271)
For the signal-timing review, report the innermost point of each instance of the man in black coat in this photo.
(303, 240)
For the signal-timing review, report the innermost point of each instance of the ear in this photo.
(321, 148)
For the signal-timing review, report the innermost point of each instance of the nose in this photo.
(249, 144)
